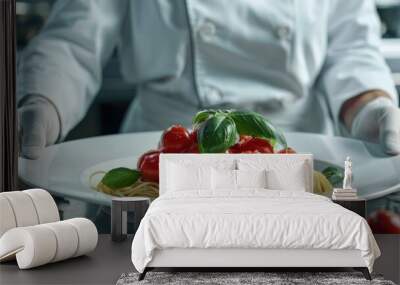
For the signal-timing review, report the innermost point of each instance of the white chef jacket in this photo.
(295, 61)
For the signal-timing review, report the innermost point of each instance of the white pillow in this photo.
(251, 179)
(285, 172)
(184, 177)
(282, 180)
(227, 179)
(223, 179)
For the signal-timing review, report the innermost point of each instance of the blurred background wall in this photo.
(106, 112)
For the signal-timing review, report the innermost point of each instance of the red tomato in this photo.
(244, 139)
(233, 149)
(384, 222)
(193, 136)
(256, 145)
(148, 166)
(175, 139)
(250, 151)
(194, 148)
(144, 155)
(237, 147)
(287, 150)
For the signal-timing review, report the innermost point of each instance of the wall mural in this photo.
(103, 90)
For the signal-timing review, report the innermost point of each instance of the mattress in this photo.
(250, 219)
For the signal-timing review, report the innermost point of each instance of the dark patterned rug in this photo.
(232, 278)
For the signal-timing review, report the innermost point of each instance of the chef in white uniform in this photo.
(311, 66)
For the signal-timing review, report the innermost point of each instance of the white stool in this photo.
(31, 231)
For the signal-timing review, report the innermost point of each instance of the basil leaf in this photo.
(280, 138)
(225, 111)
(254, 124)
(120, 177)
(203, 116)
(334, 175)
(217, 134)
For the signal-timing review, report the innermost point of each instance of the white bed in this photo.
(282, 224)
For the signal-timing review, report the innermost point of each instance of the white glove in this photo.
(379, 121)
(39, 126)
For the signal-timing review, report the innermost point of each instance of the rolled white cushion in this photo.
(40, 244)
(23, 208)
(7, 218)
(33, 246)
(26, 208)
(45, 206)
(87, 235)
(66, 238)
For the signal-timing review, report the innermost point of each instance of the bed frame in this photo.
(242, 259)
(250, 259)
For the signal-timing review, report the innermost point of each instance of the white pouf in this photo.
(87, 235)
(7, 218)
(45, 205)
(31, 231)
(23, 209)
(26, 208)
(67, 237)
(40, 244)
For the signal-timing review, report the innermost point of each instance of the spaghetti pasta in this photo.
(139, 188)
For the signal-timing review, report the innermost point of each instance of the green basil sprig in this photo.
(220, 129)
(254, 124)
(202, 116)
(217, 134)
(120, 177)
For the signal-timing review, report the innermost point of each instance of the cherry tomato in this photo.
(237, 147)
(175, 139)
(193, 136)
(148, 166)
(233, 149)
(144, 155)
(255, 145)
(287, 150)
(194, 148)
(244, 139)
(251, 151)
(384, 222)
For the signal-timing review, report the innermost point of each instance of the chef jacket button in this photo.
(207, 30)
(283, 32)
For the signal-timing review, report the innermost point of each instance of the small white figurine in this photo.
(348, 174)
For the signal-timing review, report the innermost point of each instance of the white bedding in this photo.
(250, 218)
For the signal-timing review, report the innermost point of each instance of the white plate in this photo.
(88, 179)
(65, 168)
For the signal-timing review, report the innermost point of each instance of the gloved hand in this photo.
(38, 125)
(379, 121)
